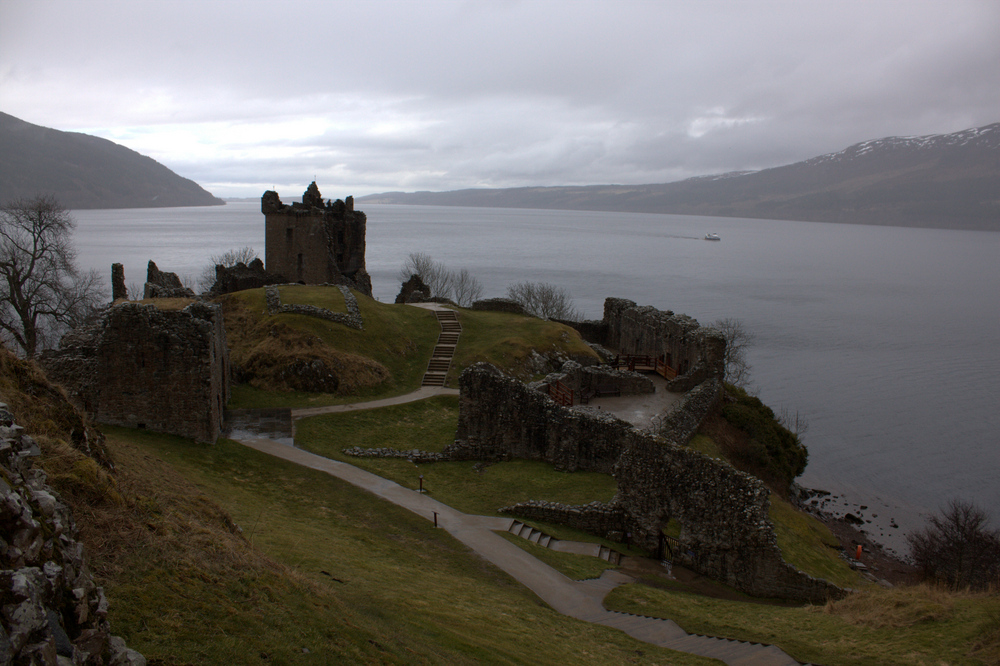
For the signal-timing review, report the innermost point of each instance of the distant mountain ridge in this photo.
(84, 171)
(947, 181)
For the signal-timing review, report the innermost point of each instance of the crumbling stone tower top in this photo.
(315, 242)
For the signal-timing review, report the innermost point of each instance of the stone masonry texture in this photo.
(143, 367)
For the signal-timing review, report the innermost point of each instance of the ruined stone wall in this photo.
(681, 423)
(696, 352)
(52, 610)
(501, 418)
(315, 242)
(229, 279)
(725, 530)
(581, 379)
(139, 366)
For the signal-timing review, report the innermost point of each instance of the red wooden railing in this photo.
(561, 393)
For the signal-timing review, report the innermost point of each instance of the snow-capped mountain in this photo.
(948, 181)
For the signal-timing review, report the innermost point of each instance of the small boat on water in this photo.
(712, 237)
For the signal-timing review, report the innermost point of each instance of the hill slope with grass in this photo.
(272, 354)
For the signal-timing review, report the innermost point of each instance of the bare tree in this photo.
(433, 274)
(738, 342)
(41, 291)
(795, 423)
(957, 547)
(544, 300)
(465, 288)
(135, 291)
(229, 258)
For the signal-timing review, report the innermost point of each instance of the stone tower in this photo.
(315, 242)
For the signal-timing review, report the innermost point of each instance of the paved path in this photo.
(578, 599)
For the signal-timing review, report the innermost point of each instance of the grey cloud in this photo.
(441, 95)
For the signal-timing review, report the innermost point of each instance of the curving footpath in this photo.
(578, 599)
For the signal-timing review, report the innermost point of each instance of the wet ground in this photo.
(639, 410)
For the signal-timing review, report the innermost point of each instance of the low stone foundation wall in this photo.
(351, 319)
(413, 455)
(597, 518)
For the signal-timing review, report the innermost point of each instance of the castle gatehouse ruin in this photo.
(313, 242)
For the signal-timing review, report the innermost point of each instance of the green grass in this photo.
(934, 633)
(327, 573)
(321, 297)
(506, 340)
(400, 337)
(430, 425)
(807, 544)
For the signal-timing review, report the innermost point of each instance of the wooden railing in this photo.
(561, 393)
(645, 363)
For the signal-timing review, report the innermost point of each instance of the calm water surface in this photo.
(885, 339)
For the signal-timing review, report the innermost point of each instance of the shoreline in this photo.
(879, 562)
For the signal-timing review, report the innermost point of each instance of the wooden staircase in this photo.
(444, 350)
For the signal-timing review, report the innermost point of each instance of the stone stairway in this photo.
(576, 547)
(444, 350)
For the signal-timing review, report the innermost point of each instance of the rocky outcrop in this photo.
(413, 291)
(51, 610)
(160, 284)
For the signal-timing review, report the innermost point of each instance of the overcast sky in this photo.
(371, 95)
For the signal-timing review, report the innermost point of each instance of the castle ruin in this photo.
(313, 242)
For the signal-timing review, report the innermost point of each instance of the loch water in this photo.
(886, 340)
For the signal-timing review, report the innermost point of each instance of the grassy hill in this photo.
(387, 358)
